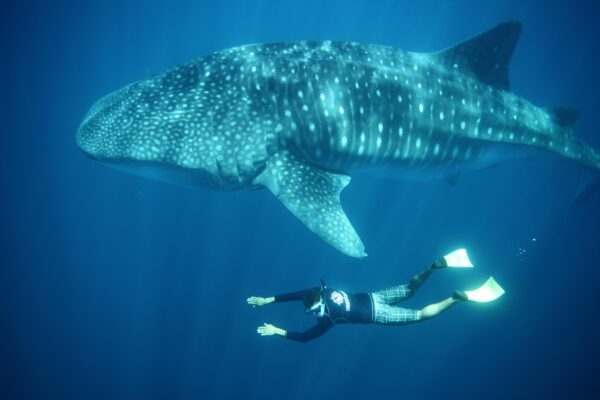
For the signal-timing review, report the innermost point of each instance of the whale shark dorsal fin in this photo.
(486, 55)
(313, 196)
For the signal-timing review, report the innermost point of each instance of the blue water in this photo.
(117, 287)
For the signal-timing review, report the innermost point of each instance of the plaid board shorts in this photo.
(385, 312)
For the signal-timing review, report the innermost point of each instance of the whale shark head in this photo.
(145, 122)
(105, 133)
(158, 126)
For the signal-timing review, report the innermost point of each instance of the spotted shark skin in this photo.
(299, 118)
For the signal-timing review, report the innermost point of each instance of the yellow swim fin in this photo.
(489, 291)
(458, 259)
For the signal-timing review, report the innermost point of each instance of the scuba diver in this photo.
(332, 306)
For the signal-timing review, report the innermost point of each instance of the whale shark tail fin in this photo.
(313, 196)
(565, 117)
(486, 55)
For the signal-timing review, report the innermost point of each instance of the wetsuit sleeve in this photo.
(290, 296)
(295, 296)
(320, 328)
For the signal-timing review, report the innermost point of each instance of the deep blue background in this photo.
(112, 286)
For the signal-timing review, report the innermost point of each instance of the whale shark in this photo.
(299, 118)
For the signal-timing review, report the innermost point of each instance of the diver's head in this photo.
(311, 298)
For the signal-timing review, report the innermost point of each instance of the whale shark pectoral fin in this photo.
(452, 179)
(586, 192)
(313, 196)
(487, 55)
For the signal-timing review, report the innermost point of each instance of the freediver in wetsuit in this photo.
(332, 306)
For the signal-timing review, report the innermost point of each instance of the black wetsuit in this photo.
(340, 308)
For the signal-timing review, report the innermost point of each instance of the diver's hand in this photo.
(255, 301)
(270, 330)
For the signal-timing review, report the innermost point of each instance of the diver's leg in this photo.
(396, 294)
(420, 278)
(392, 295)
(489, 291)
(433, 310)
(384, 314)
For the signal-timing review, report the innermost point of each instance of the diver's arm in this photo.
(294, 296)
(270, 330)
(320, 328)
(260, 301)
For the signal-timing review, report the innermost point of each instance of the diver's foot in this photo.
(439, 264)
(460, 295)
